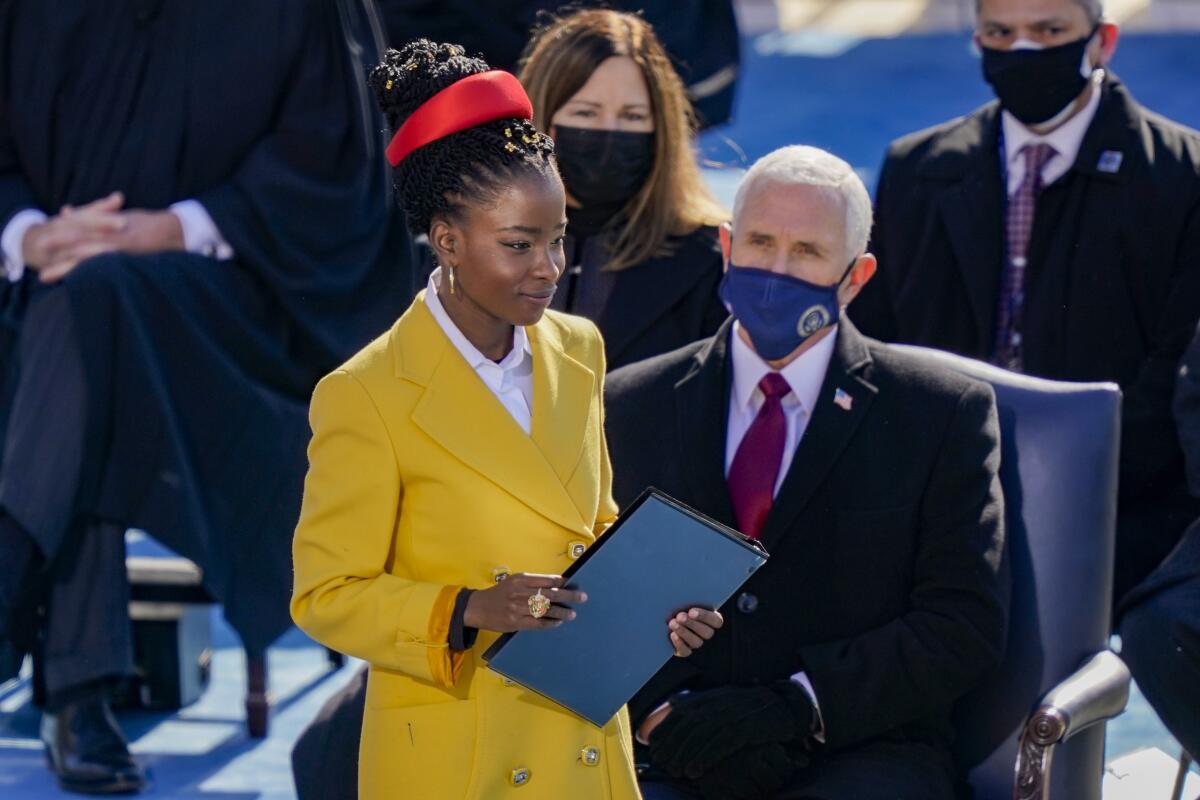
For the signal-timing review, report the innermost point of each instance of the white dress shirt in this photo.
(804, 375)
(1066, 141)
(510, 379)
(200, 235)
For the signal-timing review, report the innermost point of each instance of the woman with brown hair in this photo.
(642, 255)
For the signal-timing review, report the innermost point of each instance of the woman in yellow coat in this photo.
(458, 464)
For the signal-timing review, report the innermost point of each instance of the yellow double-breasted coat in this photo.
(420, 482)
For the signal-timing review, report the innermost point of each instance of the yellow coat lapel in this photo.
(562, 401)
(459, 412)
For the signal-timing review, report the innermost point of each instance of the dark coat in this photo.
(1187, 411)
(1113, 282)
(200, 371)
(649, 308)
(1183, 564)
(701, 36)
(885, 582)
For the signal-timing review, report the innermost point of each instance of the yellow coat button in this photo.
(500, 573)
(590, 756)
(576, 549)
(520, 776)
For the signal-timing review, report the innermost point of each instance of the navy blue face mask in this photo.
(778, 311)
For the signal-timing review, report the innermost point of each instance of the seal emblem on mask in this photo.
(812, 321)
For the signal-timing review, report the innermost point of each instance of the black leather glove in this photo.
(705, 728)
(755, 773)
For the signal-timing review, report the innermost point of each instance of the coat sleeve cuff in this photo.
(461, 636)
(200, 233)
(444, 663)
(801, 679)
(12, 240)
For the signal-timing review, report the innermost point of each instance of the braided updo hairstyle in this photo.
(472, 165)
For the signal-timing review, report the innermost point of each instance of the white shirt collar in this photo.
(477, 360)
(1066, 139)
(804, 375)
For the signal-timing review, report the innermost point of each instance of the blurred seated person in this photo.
(701, 36)
(1160, 623)
(642, 254)
(195, 226)
(871, 478)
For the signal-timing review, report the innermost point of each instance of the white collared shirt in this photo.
(1066, 140)
(510, 379)
(804, 375)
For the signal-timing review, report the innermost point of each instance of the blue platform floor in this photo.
(204, 753)
(846, 95)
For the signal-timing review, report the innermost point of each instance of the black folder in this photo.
(660, 558)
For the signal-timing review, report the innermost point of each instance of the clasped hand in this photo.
(54, 248)
(505, 608)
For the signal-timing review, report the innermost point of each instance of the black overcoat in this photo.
(886, 582)
(1113, 282)
(653, 307)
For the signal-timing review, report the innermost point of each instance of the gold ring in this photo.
(539, 605)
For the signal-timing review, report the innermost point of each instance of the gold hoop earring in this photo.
(450, 275)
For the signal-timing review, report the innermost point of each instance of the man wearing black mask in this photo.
(1055, 232)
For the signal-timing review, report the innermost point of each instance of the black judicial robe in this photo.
(199, 370)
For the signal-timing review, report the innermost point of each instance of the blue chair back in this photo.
(1060, 444)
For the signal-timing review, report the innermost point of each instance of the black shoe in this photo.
(87, 752)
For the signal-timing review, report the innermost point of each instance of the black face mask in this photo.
(1035, 85)
(602, 169)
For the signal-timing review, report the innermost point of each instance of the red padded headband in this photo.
(472, 101)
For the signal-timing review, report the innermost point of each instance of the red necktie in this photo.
(756, 464)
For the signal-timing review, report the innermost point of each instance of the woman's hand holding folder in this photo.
(505, 607)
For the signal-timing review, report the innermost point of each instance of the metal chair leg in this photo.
(1185, 763)
(258, 702)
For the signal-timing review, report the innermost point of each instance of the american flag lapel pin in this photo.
(843, 400)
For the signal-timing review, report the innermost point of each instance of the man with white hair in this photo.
(869, 476)
(1056, 232)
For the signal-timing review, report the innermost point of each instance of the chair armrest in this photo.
(1098, 691)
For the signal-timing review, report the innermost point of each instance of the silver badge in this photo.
(812, 321)
(1110, 161)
